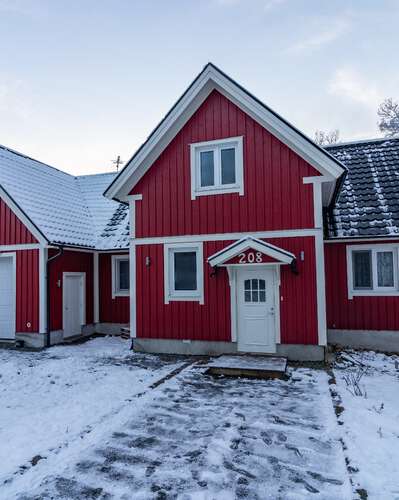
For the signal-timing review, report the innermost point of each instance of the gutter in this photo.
(54, 257)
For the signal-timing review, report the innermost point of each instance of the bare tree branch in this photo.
(325, 138)
(388, 112)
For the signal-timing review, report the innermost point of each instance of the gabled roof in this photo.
(212, 78)
(249, 242)
(368, 202)
(66, 210)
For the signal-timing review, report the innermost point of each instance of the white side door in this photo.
(73, 304)
(256, 310)
(7, 298)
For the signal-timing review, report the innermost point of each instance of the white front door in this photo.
(256, 309)
(73, 299)
(7, 298)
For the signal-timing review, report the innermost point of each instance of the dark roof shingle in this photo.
(368, 202)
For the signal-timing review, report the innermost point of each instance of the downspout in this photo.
(54, 257)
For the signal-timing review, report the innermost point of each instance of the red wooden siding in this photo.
(275, 197)
(358, 313)
(111, 310)
(70, 262)
(211, 321)
(12, 231)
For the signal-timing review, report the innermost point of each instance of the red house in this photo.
(244, 236)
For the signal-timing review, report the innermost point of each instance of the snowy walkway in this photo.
(196, 437)
(53, 398)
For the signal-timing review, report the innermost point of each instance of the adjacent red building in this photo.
(228, 231)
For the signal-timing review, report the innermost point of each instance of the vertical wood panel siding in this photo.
(275, 196)
(358, 313)
(70, 262)
(111, 310)
(212, 320)
(12, 231)
(27, 291)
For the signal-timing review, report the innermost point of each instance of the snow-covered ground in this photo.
(52, 398)
(88, 421)
(370, 421)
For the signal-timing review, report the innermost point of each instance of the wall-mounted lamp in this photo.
(302, 255)
(148, 261)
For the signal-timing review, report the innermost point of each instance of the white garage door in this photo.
(7, 298)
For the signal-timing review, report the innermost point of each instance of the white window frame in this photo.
(216, 146)
(183, 295)
(376, 290)
(116, 291)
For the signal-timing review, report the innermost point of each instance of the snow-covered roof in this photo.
(68, 210)
(368, 202)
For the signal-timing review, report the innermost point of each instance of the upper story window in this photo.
(217, 167)
(183, 272)
(120, 275)
(373, 270)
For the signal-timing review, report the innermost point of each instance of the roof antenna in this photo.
(118, 162)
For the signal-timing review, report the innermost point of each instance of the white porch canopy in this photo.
(280, 255)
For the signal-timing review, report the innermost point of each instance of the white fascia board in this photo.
(250, 243)
(22, 217)
(207, 81)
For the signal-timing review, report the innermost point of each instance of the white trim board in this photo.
(114, 279)
(211, 78)
(28, 246)
(288, 233)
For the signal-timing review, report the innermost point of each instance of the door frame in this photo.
(14, 291)
(82, 314)
(233, 274)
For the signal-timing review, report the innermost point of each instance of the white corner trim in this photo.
(96, 290)
(13, 257)
(115, 259)
(321, 289)
(376, 291)
(170, 295)
(232, 274)
(210, 79)
(215, 146)
(22, 217)
(132, 264)
(43, 256)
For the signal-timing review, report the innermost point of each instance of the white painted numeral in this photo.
(250, 258)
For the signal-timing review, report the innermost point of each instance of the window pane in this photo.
(247, 284)
(385, 268)
(255, 297)
(262, 285)
(123, 274)
(207, 168)
(247, 296)
(228, 166)
(254, 284)
(362, 269)
(262, 296)
(185, 270)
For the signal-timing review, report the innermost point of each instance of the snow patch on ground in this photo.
(370, 422)
(49, 399)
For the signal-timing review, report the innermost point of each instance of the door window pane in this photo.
(262, 296)
(123, 274)
(185, 264)
(255, 290)
(207, 168)
(228, 166)
(362, 276)
(385, 269)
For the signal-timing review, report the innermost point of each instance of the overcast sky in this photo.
(82, 81)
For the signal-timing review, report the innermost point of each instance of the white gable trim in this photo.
(247, 243)
(22, 217)
(209, 79)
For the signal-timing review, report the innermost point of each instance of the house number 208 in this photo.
(250, 257)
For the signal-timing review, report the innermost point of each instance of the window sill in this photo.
(120, 294)
(373, 293)
(210, 192)
(185, 298)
